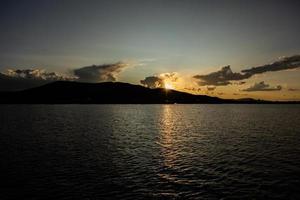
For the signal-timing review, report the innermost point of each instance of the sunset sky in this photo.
(229, 49)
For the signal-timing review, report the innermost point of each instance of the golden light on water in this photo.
(171, 146)
(166, 140)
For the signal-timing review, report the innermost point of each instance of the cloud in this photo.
(173, 77)
(210, 88)
(173, 80)
(285, 63)
(293, 89)
(262, 86)
(35, 74)
(20, 79)
(221, 77)
(152, 82)
(159, 81)
(145, 61)
(192, 89)
(225, 75)
(239, 94)
(100, 73)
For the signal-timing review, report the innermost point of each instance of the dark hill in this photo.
(66, 92)
(108, 92)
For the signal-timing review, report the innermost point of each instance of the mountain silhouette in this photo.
(67, 92)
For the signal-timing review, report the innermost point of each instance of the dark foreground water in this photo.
(150, 151)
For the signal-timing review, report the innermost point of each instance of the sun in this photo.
(169, 86)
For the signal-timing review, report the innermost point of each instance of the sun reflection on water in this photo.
(168, 144)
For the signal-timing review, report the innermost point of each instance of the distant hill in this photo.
(67, 92)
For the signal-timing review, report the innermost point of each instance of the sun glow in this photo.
(169, 86)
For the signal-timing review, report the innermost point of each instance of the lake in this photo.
(150, 151)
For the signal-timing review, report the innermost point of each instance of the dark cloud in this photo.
(225, 75)
(173, 77)
(193, 89)
(210, 88)
(221, 78)
(100, 73)
(285, 63)
(293, 89)
(262, 86)
(158, 81)
(153, 82)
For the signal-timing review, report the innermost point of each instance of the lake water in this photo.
(150, 151)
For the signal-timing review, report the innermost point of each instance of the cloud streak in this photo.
(225, 76)
(293, 89)
(221, 77)
(262, 86)
(35, 74)
(285, 63)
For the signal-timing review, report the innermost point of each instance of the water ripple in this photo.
(150, 151)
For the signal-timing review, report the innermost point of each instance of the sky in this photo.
(183, 45)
